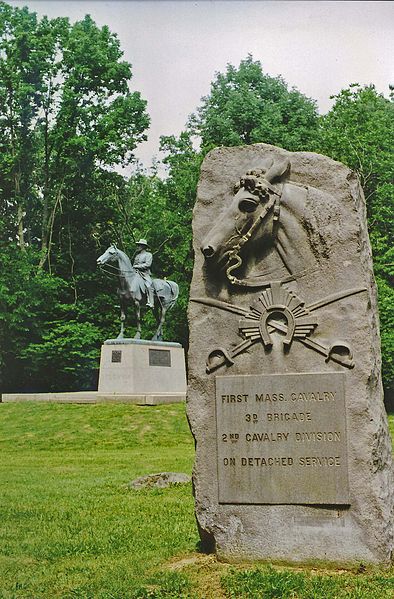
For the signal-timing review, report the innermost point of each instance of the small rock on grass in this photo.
(160, 480)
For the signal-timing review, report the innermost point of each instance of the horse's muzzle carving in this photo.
(208, 251)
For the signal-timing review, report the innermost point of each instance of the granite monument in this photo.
(293, 453)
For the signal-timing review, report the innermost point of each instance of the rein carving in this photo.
(257, 189)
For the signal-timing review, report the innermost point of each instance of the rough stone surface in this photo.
(160, 480)
(319, 247)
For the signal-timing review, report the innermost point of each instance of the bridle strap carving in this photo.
(272, 204)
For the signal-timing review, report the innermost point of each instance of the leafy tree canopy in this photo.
(247, 106)
(67, 116)
(357, 130)
(66, 112)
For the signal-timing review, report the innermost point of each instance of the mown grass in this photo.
(71, 527)
(269, 583)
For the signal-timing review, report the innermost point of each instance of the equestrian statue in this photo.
(137, 286)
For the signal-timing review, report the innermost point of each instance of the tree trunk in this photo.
(20, 213)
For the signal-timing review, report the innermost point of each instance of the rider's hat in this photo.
(142, 242)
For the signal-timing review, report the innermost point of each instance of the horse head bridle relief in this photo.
(256, 195)
(253, 215)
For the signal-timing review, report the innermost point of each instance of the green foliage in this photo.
(28, 299)
(247, 106)
(184, 164)
(71, 347)
(386, 313)
(67, 115)
(42, 325)
(358, 131)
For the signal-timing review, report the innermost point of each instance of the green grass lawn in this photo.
(71, 527)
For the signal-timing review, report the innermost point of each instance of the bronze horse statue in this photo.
(165, 292)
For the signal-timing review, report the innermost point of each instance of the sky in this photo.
(177, 46)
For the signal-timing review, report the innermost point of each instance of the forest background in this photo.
(70, 122)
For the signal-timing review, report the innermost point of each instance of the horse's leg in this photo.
(158, 336)
(122, 319)
(156, 313)
(162, 319)
(138, 314)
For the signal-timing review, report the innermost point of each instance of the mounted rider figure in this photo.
(142, 262)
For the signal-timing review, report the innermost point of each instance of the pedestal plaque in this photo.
(282, 439)
(160, 357)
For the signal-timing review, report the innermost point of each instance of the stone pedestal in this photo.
(132, 367)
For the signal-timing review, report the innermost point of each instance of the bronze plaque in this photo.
(116, 356)
(159, 357)
(281, 439)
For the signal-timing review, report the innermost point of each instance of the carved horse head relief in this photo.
(264, 216)
(273, 228)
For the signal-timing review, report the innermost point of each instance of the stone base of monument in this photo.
(293, 451)
(145, 373)
(84, 397)
(131, 366)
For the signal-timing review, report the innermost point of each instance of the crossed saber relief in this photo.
(258, 323)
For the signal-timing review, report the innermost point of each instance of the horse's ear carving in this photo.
(269, 162)
(278, 170)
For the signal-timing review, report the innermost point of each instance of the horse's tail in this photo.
(167, 292)
(174, 288)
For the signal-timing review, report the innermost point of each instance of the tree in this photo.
(358, 131)
(68, 117)
(66, 113)
(20, 85)
(247, 106)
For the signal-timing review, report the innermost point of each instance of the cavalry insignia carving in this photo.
(259, 322)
